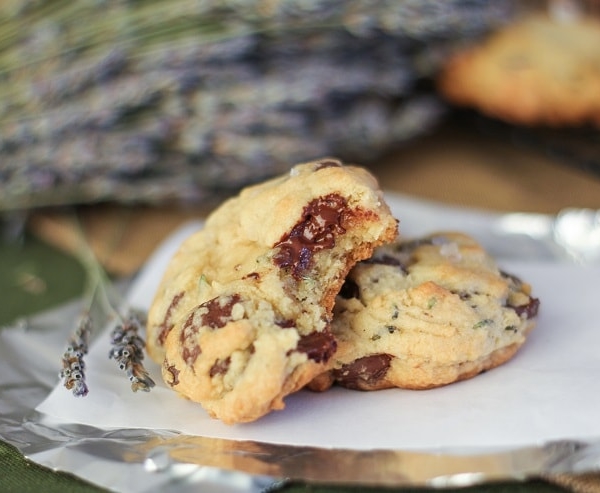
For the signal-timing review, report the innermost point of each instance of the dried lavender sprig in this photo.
(73, 366)
(128, 351)
(128, 346)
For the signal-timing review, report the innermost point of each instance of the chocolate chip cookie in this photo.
(425, 313)
(242, 316)
(538, 70)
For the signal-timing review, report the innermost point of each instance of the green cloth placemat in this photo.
(35, 277)
(19, 475)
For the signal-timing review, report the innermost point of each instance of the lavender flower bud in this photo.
(73, 367)
(128, 352)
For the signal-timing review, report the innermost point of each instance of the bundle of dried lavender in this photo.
(150, 101)
(127, 346)
(127, 350)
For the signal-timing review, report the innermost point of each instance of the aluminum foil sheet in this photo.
(139, 460)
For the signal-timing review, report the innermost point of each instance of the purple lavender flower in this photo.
(128, 351)
(73, 366)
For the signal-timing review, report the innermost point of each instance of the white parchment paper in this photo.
(549, 391)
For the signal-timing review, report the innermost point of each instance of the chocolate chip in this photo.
(387, 260)
(317, 229)
(349, 290)
(166, 326)
(190, 355)
(285, 324)
(530, 310)
(363, 372)
(252, 275)
(318, 346)
(220, 367)
(172, 369)
(188, 338)
(218, 310)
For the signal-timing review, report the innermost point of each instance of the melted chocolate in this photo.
(190, 355)
(166, 325)
(172, 369)
(219, 311)
(285, 323)
(188, 338)
(217, 315)
(363, 372)
(321, 222)
(252, 275)
(220, 367)
(349, 290)
(530, 310)
(318, 346)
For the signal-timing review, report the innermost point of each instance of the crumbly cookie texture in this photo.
(242, 316)
(425, 313)
(539, 70)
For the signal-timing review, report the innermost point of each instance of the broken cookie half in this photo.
(424, 313)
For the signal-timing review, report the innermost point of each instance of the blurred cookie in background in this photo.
(542, 69)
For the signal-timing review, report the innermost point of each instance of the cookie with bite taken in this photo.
(242, 315)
